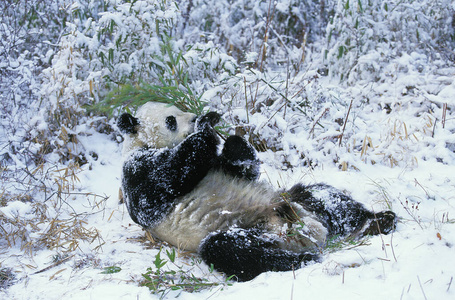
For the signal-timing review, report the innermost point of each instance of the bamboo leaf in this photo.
(111, 270)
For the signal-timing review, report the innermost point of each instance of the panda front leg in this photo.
(193, 158)
(152, 179)
(238, 158)
(245, 253)
(342, 215)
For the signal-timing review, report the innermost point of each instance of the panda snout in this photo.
(186, 133)
(189, 132)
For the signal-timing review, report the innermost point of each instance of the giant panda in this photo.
(189, 188)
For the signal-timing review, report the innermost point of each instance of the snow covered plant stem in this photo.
(162, 278)
(344, 125)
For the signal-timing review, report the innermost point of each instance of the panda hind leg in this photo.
(342, 215)
(245, 254)
(238, 158)
(383, 222)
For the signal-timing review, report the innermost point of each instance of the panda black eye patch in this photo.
(171, 123)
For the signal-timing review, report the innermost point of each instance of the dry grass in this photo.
(37, 230)
(47, 220)
(66, 235)
(6, 277)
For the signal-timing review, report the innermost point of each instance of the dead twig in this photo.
(318, 119)
(54, 264)
(444, 112)
(344, 125)
(421, 287)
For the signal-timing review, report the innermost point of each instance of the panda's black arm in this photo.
(239, 159)
(152, 181)
(162, 176)
(193, 159)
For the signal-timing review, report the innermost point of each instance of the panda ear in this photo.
(127, 123)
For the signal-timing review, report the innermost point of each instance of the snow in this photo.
(396, 152)
(16, 208)
(414, 261)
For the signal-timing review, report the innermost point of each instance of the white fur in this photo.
(152, 131)
(219, 202)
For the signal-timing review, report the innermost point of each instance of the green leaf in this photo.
(111, 270)
(159, 263)
(340, 52)
(112, 25)
(111, 55)
(360, 5)
(171, 255)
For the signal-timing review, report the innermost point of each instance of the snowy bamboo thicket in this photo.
(358, 94)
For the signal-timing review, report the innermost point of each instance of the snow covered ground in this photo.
(415, 262)
(397, 151)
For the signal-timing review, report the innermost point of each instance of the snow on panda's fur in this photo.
(183, 190)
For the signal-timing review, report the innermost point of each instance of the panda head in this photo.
(155, 125)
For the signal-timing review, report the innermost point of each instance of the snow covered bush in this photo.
(24, 45)
(363, 86)
(93, 48)
(130, 42)
(33, 183)
(257, 33)
(29, 31)
(184, 45)
(363, 34)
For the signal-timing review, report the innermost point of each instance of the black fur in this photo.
(341, 214)
(238, 158)
(127, 123)
(246, 253)
(171, 123)
(154, 179)
(208, 120)
(160, 176)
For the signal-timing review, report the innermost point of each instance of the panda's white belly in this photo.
(217, 203)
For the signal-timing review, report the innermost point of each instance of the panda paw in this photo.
(210, 119)
(308, 257)
(381, 223)
(239, 159)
